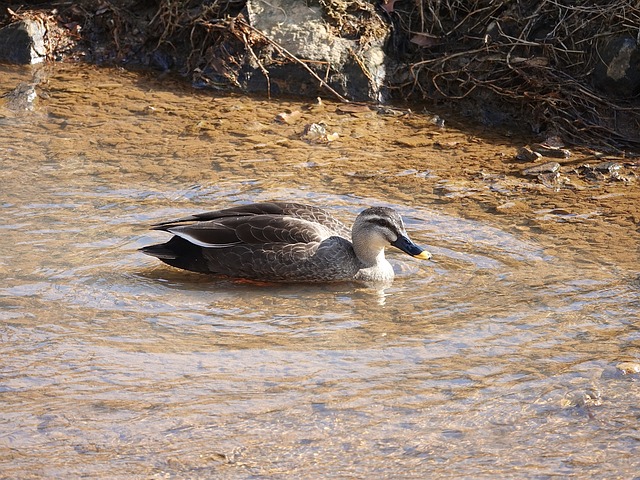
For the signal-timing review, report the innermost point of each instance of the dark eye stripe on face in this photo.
(384, 223)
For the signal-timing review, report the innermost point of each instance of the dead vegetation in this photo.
(535, 58)
(538, 57)
(206, 30)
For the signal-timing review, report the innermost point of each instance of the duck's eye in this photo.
(383, 223)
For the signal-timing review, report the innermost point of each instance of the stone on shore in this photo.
(23, 42)
(354, 67)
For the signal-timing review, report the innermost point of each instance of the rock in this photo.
(513, 207)
(354, 67)
(601, 172)
(628, 368)
(21, 98)
(288, 118)
(525, 154)
(618, 71)
(549, 167)
(317, 133)
(547, 150)
(550, 179)
(23, 42)
(535, 151)
(608, 167)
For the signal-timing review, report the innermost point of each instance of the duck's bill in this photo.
(407, 246)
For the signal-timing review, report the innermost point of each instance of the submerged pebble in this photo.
(317, 133)
(628, 368)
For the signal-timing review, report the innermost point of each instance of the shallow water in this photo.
(502, 358)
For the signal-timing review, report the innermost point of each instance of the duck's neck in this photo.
(376, 267)
(370, 254)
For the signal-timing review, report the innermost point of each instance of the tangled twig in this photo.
(540, 54)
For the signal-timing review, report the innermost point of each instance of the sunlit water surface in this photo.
(498, 359)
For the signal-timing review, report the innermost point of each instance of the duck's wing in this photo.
(269, 210)
(256, 230)
(330, 260)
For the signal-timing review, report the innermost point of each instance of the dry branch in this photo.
(537, 54)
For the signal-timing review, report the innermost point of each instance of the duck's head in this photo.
(377, 227)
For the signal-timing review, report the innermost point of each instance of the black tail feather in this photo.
(178, 253)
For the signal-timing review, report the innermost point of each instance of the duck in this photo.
(286, 242)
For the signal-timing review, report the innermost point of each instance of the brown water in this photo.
(502, 358)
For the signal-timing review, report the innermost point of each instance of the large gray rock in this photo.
(618, 71)
(354, 71)
(23, 42)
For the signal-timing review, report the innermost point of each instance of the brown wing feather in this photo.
(270, 209)
(258, 230)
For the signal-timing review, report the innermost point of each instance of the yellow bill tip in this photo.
(423, 255)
